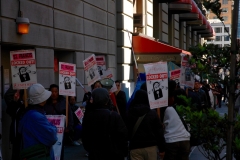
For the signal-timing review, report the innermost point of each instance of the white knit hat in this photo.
(37, 94)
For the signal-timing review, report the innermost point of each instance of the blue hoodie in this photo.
(36, 129)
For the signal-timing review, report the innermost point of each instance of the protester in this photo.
(146, 139)
(176, 136)
(77, 124)
(121, 100)
(104, 133)
(34, 127)
(15, 109)
(56, 105)
(201, 94)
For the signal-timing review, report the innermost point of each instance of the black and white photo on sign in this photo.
(67, 82)
(157, 91)
(23, 73)
(91, 73)
(100, 70)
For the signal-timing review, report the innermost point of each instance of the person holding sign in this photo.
(104, 133)
(56, 105)
(145, 130)
(15, 108)
(38, 134)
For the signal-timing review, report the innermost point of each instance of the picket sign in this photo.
(58, 121)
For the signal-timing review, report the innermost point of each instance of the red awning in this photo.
(193, 15)
(147, 45)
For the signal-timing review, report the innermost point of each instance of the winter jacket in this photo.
(121, 103)
(104, 134)
(36, 129)
(149, 132)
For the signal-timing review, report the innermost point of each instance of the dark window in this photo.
(218, 30)
(226, 38)
(224, 9)
(218, 38)
(225, 18)
(226, 30)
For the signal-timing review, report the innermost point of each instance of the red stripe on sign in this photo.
(157, 76)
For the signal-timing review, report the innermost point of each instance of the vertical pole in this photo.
(232, 78)
(25, 98)
(158, 112)
(67, 111)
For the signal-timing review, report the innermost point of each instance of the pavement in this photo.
(78, 152)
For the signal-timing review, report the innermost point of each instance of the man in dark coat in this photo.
(104, 133)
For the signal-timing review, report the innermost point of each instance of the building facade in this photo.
(222, 33)
(71, 30)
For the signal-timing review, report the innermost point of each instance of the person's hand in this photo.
(16, 95)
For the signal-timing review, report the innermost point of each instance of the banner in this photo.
(175, 75)
(101, 65)
(157, 84)
(59, 122)
(23, 67)
(67, 79)
(91, 70)
(186, 76)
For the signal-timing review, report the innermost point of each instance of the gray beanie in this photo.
(100, 96)
(37, 94)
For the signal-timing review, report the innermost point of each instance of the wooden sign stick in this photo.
(66, 111)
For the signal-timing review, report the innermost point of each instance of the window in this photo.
(225, 2)
(226, 30)
(225, 18)
(226, 38)
(218, 29)
(224, 9)
(218, 38)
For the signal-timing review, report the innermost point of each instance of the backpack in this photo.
(194, 141)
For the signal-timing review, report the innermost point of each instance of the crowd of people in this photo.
(109, 130)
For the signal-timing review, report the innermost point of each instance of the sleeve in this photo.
(43, 130)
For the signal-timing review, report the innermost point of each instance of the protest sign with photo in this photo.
(157, 84)
(175, 75)
(67, 79)
(91, 70)
(101, 65)
(59, 122)
(186, 76)
(23, 68)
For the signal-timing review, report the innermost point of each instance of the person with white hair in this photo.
(38, 134)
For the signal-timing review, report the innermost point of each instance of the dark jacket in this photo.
(149, 132)
(59, 109)
(104, 134)
(121, 103)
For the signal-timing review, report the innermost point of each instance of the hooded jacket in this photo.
(36, 129)
(150, 131)
(104, 134)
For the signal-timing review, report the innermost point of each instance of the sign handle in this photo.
(158, 112)
(25, 98)
(66, 111)
(81, 85)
